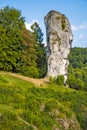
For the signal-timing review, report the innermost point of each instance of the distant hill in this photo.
(25, 106)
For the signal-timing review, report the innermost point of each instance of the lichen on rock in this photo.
(59, 40)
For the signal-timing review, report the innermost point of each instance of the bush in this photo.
(30, 71)
(77, 84)
(59, 80)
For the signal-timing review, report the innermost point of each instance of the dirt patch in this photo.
(36, 82)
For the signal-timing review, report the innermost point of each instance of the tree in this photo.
(40, 49)
(11, 18)
(37, 32)
(28, 55)
(11, 24)
(77, 77)
(41, 61)
(20, 50)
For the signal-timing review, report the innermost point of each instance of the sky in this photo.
(36, 10)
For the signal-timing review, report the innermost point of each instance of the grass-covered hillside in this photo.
(24, 106)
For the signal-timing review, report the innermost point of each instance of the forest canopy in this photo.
(77, 77)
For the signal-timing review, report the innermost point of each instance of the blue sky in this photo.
(35, 10)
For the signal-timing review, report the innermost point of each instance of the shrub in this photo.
(77, 84)
(59, 80)
(30, 71)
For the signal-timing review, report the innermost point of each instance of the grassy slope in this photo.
(50, 107)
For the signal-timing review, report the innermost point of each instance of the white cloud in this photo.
(28, 25)
(83, 26)
(79, 27)
(82, 36)
(74, 28)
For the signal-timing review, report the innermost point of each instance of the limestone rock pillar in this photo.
(59, 42)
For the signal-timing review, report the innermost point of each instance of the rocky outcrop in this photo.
(59, 39)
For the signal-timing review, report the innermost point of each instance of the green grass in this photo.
(26, 107)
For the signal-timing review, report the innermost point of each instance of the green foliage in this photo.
(40, 49)
(20, 50)
(11, 18)
(59, 80)
(77, 77)
(30, 71)
(41, 60)
(63, 23)
(37, 32)
(75, 83)
(24, 106)
(11, 24)
(63, 26)
(28, 56)
(78, 57)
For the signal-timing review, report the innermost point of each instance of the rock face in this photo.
(59, 39)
